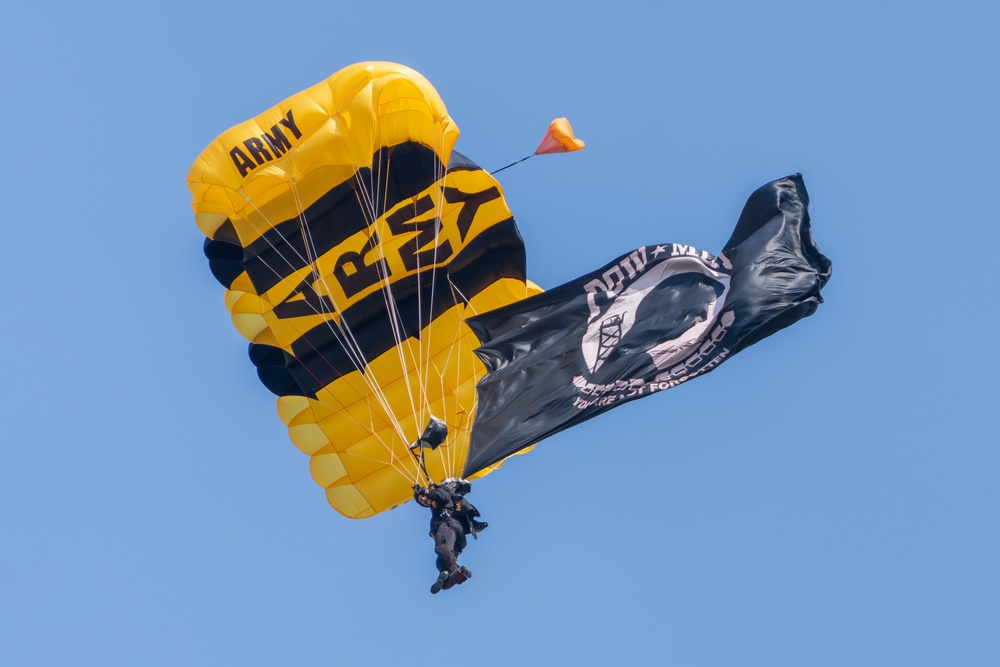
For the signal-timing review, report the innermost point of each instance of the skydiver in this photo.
(452, 518)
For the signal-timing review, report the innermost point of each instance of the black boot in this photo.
(441, 582)
(453, 572)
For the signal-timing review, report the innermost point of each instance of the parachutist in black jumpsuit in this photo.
(452, 518)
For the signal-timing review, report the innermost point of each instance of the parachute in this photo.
(353, 243)
(559, 139)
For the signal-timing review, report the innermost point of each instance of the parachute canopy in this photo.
(353, 242)
(559, 139)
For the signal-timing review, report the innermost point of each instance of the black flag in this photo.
(648, 321)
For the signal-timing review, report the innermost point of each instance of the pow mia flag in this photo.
(648, 321)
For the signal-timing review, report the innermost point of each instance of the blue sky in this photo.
(827, 497)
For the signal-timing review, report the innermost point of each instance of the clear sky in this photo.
(827, 497)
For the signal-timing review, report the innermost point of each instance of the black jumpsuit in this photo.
(449, 537)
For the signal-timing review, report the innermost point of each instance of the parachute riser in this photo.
(420, 462)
